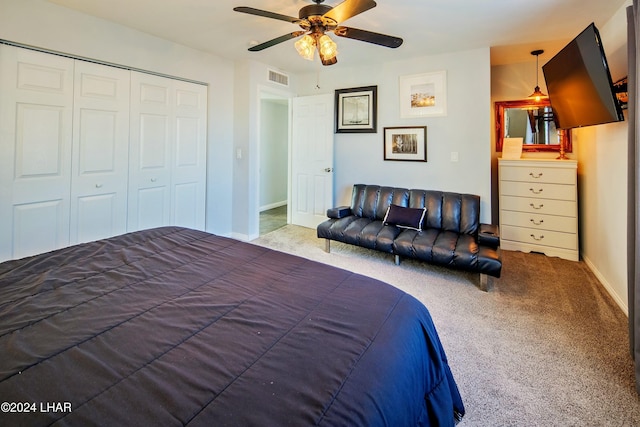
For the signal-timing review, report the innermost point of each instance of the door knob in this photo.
(328, 169)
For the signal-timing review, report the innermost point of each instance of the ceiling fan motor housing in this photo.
(313, 10)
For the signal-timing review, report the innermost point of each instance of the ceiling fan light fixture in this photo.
(306, 47)
(328, 48)
(328, 61)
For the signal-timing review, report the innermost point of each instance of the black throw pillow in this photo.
(405, 217)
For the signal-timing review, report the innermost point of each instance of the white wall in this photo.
(602, 179)
(466, 129)
(45, 25)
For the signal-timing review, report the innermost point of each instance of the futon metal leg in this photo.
(397, 259)
(484, 282)
(327, 245)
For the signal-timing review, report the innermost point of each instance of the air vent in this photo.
(279, 78)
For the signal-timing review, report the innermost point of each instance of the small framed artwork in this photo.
(356, 110)
(405, 143)
(423, 95)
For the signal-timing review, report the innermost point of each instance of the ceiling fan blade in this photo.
(266, 14)
(276, 41)
(368, 36)
(348, 9)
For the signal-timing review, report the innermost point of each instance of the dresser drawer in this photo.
(540, 206)
(538, 174)
(540, 237)
(538, 221)
(538, 190)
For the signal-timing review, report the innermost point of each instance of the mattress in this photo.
(172, 326)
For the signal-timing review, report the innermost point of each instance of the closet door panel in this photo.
(149, 216)
(189, 167)
(100, 152)
(39, 226)
(36, 127)
(150, 151)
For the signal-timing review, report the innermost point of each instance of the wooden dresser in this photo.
(539, 206)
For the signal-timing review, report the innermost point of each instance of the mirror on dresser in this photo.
(533, 122)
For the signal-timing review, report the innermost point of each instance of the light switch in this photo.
(454, 156)
(238, 153)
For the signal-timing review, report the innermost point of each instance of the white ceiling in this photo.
(512, 28)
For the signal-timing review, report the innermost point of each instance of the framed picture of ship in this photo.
(423, 95)
(356, 110)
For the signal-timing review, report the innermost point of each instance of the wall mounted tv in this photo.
(579, 83)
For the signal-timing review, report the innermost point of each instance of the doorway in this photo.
(274, 162)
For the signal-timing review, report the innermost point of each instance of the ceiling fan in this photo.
(316, 20)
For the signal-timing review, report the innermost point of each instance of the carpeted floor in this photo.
(546, 346)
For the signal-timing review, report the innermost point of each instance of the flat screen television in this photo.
(579, 83)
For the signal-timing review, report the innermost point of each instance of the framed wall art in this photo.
(356, 110)
(405, 143)
(423, 95)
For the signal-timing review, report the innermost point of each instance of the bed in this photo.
(172, 326)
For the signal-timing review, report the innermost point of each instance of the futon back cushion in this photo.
(405, 217)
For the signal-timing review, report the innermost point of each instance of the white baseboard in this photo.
(240, 236)
(622, 303)
(273, 205)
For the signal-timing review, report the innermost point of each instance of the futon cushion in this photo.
(403, 217)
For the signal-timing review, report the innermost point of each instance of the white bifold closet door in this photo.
(100, 152)
(64, 146)
(36, 118)
(89, 151)
(167, 172)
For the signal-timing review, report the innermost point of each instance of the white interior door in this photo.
(36, 101)
(100, 152)
(312, 159)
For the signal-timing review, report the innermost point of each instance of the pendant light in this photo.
(537, 94)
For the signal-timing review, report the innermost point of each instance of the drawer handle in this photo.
(532, 175)
(536, 223)
(537, 238)
(536, 207)
(536, 192)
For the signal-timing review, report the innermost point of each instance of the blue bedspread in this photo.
(172, 326)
